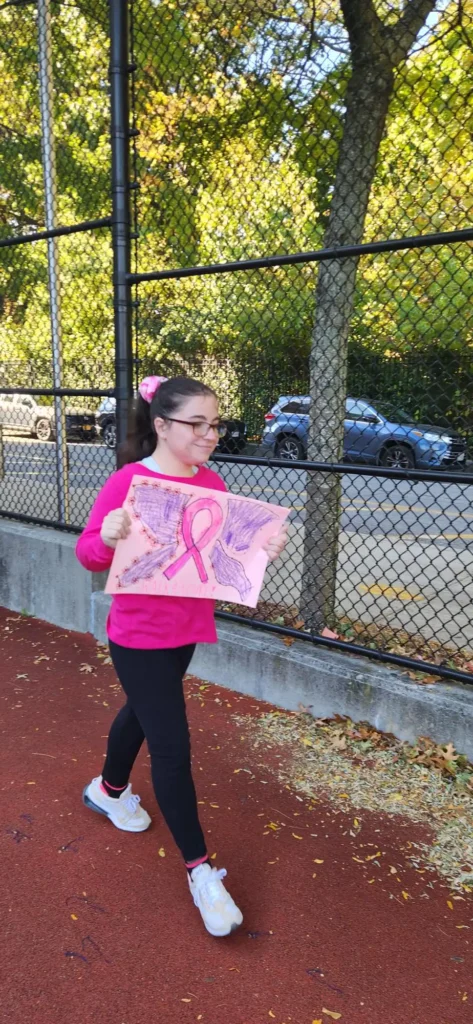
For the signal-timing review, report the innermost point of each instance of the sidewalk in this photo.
(98, 925)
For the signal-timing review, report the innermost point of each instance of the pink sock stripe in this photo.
(195, 863)
(111, 787)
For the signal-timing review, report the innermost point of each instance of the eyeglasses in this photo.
(201, 428)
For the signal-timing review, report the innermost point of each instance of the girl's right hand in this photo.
(116, 526)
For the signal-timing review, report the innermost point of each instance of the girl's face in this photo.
(186, 441)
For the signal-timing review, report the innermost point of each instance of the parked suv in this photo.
(23, 415)
(231, 443)
(379, 434)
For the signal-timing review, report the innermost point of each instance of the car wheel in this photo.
(398, 456)
(109, 435)
(290, 448)
(43, 430)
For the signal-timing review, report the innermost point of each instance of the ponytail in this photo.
(169, 396)
(141, 437)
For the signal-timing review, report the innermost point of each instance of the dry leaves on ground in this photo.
(353, 763)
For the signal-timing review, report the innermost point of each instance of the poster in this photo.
(190, 541)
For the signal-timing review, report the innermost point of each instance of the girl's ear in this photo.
(159, 424)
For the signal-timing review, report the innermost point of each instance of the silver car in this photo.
(20, 414)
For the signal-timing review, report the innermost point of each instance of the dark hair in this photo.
(170, 396)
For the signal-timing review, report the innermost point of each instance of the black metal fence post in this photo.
(119, 71)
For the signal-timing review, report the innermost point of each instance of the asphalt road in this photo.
(430, 512)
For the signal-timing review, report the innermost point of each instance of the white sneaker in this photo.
(125, 811)
(219, 913)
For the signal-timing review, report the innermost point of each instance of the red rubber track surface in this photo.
(96, 926)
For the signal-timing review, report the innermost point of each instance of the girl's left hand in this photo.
(275, 545)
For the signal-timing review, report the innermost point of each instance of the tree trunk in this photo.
(367, 102)
(376, 50)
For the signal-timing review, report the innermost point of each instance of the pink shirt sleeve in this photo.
(91, 551)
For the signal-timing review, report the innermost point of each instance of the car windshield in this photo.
(394, 413)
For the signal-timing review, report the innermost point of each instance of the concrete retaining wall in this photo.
(39, 574)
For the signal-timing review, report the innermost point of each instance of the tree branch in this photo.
(398, 38)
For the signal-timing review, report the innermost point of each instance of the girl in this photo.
(152, 639)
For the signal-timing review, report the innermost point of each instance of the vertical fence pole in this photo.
(49, 175)
(120, 134)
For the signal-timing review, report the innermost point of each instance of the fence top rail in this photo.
(61, 392)
(317, 255)
(41, 236)
(349, 468)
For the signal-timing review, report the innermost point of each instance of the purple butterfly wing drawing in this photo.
(229, 572)
(243, 521)
(145, 567)
(161, 511)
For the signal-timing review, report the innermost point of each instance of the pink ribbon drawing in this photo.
(194, 547)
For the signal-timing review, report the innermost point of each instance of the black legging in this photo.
(155, 709)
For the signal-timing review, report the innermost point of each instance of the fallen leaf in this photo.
(42, 657)
(318, 861)
(296, 837)
(331, 1013)
(450, 904)
(271, 1014)
(186, 1000)
(406, 895)
(86, 668)
(162, 852)
(74, 918)
(330, 634)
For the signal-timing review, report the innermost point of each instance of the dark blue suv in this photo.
(382, 435)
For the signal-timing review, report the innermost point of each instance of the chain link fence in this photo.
(56, 296)
(287, 128)
(329, 146)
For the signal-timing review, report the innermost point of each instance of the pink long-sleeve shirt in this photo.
(141, 620)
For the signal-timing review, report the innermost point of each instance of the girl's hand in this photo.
(116, 526)
(275, 545)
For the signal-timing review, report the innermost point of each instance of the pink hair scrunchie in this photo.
(149, 387)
